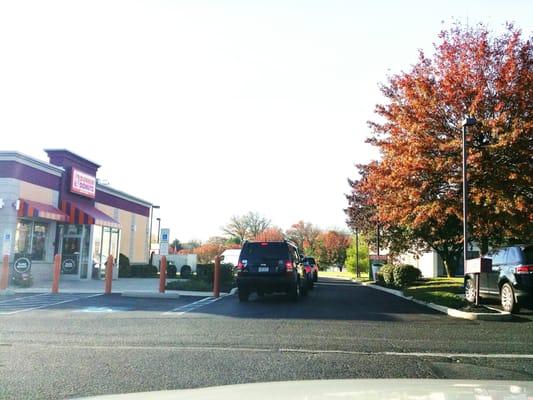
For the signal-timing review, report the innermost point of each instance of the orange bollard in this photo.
(57, 270)
(216, 277)
(4, 277)
(108, 274)
(162, 274)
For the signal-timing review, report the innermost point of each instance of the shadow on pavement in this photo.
(330, 300)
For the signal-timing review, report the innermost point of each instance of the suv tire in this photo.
(243, 295)
(294, 291)
(470, 290)
(508, 299)
(315, 277)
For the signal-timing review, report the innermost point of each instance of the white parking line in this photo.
(288, 350)
(23, 304)
(22, 298)
(194, 305)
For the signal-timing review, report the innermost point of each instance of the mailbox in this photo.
(478, 265)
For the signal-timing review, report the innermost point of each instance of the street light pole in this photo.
(468, 121)
(151, 221)
(158, 228)
(357, 271)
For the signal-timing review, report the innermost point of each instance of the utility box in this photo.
(478, 265)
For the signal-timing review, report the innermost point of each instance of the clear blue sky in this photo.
(216, 108)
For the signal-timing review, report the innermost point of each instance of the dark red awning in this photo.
(88, 215)
(34, 209)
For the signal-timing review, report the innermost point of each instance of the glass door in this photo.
(71, 249)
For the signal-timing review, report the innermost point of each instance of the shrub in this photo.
(124, 268)
(205, 272)
(404, 275)
(143, 271)
(387, 271)
(24, 280)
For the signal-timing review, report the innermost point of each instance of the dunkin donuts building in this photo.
(58, 207)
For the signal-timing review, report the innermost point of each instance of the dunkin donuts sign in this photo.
(83, 184)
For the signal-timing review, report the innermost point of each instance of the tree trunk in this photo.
(449, 260)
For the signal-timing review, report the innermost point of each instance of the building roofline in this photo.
(123, 195)
(48, 151)
(31, 162)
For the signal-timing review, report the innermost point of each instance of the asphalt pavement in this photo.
(97, 344)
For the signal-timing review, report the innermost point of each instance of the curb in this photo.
(7, 292)
(452, 312)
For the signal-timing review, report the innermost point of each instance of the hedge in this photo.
(387, 271)
(205, 272)
(404, 275)
(143, 271)
(398, 276)
(124, 268)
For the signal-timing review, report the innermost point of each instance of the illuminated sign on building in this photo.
(83, 184)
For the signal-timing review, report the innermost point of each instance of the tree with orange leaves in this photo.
(208, 251)
(416, 186)
(270, 235)
(330, 248)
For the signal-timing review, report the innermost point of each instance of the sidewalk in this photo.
(126, 286)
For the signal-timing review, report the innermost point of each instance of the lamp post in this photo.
(151, 220)
(357, 271)
(158, 228)
(468, 121)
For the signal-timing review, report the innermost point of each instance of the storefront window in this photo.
(30, 239)
(38, 242)
(23, 238)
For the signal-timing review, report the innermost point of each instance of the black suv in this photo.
(268, 267)
(511, 278)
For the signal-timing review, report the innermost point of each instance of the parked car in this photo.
(511, 278)
(310, 263)
(269, 267)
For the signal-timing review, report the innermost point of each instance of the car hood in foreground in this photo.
(363, 389)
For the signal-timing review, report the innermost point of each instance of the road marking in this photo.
(286, 350)
(29, 303)
(22, 298)
(194, 305)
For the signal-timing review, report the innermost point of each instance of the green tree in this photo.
(176, 245)
(363, 255)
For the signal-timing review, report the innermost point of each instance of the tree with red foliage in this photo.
(304, 234)
(330, 248)
(208, 251)
(270, 235)
(416, 186)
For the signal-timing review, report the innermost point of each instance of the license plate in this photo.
(263, 269)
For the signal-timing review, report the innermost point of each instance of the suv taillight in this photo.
(524, 269)
(288, 266)
(240, 266)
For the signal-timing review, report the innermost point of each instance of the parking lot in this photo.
(84, 344)
(99, 303)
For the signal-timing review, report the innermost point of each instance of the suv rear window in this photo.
(261, 253)
(528, 254)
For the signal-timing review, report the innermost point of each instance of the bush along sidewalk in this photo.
(446, 292)
(203, 279)
(441, 291)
